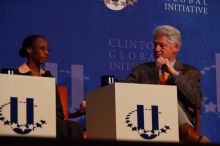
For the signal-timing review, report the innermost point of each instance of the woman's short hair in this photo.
(28, 42)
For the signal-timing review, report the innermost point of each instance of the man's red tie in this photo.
(163, 78)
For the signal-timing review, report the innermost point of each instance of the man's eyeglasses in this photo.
(163, 45)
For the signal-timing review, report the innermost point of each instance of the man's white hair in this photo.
(171, 32)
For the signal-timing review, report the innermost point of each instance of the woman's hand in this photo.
(83, 106)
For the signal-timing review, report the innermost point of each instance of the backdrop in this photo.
(91, 38)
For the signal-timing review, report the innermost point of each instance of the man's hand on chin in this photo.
(160, 61)
(164, 64)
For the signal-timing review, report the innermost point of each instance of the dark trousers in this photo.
(69, 130)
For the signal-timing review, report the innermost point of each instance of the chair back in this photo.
(64, 100)
(197, 111)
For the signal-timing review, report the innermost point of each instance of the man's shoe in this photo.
(189, 135)
(204, 139)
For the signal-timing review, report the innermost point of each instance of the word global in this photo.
(130, 55)
(195, 2)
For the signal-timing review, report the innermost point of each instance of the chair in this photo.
(189, 134)
(197, 111)
(64, 100)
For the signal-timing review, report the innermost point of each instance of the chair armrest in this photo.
(76, 114)
(197, 111)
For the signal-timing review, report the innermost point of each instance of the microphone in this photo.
(163, 68)
(47, 74)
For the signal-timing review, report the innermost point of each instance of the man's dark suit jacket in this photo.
(187, 82)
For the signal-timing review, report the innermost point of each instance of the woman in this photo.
(35, 49)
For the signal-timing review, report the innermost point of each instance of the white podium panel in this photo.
(133, 112)
(27, 106)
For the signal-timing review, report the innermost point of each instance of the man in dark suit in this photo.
(168, 70)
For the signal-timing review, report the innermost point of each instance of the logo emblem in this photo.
(20, 128)
(137, 116)
(119, 4)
